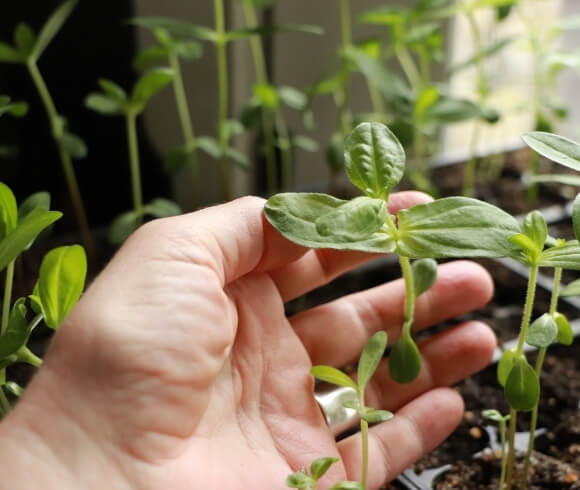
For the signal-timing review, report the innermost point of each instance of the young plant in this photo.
(27, 49)
(444, 228)
(172, 49)
(308, 480)
(114, 101)
(60, 283)
(501, 420)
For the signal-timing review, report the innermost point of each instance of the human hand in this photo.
(178, 369)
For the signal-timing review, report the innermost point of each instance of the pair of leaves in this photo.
(19, 230)
(28, 45)
(318, 468)
(113, 100)
(520, 382)
(533, 238)
(60, 283)
(16, 109)
(126, 223)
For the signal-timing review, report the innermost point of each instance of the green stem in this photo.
(26, 355)
(538, 368)
(470, 166)
(285, 148)
(186, 123)
(409, 295)
(268, 120)
(502, 431)
(346, 30)
(8, 283)
(57, 128)
(409, 68)
(222, 64)
(131, 119)
(376, 100)
(364, 432)
(530, 294)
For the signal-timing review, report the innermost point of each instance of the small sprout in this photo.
(424, 275)
(542, 332)
(404, 360)
(494, 415)
(522, 388)
(536, 229)
(320, 466)
(300, 480)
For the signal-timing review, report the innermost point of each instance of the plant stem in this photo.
(186, 124)
(376, 100)
(409, 294)
(26, 355)
(364, 432)
(131, 119)
(8, 283)
(57, 127)
(346, 31)
(285, 148)
(538, 368)
(222, 64)
(530, 294)
(502, 431)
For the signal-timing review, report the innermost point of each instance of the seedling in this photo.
(114, 101)
(60, 283)
(501, 420)
(308, 480)
(27, 49)
(445, 228)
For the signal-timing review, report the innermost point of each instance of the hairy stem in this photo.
(530, 294)
(56, 126)
(502, 431)
(186, 124)
(409, 294)
(222, 62)
(131, 119)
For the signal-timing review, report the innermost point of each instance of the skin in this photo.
(178, 368)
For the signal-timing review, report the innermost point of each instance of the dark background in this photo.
(95, 42)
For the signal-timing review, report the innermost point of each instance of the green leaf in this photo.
(424, 275)
(542, 332)
(387, 15)
(528, 246)
(355, 220)
(556, 148)
(293, 98)
(189, 50)
(404, 360)
(504, 366)
(503, 12)
(103, 104)
(370, 358)
(240, 159)
(61, 282)
(487, 52)
(121, 227)
(8, 211)
(333, 376)
(74, 145)
(347, 485)
(267, 30)
(17, 332)
(572, 289)
(209, 145)
(377, 416)
(492, 415)
(24, 39)
(150, 84)
(10, 55)
(178, 28)
(536, 229)
(448, 110)
(297, 217)
(36, 200)
(16, 109)
(456, 227)
(565, 179)
(18, 240)
(299, 480)
(7, 362)
(566, 256)
(426, 99)
(267, 95)
(162, 208)
(576, 216)
(320, 466)
(565, 332)
(52, 26)
(374, 159)
(522, 388)
(148, 57)
(305, 143)
(113, 90)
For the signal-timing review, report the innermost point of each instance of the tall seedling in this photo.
(445, 228)
(27, 49)
(114, 101)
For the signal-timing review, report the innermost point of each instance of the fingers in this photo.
(335, 333)
(416, 429)
(318, 267)
(447, 358)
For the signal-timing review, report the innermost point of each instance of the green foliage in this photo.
(554, 147)
(542, 332)
(504, 366)
(370, 358)
(522, 387)
(51, 28)
(565, 333)
(424, 275)
(404, 360)
(16, 109)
